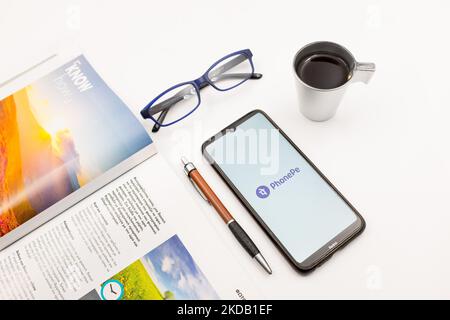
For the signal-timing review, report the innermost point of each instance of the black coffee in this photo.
(323, 71)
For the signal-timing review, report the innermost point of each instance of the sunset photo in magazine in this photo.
(57, 135)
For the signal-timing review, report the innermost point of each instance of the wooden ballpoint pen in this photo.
(208, 194)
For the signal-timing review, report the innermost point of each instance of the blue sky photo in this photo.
(173, 269)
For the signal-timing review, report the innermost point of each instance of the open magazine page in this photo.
(140, 237)
(62, 137)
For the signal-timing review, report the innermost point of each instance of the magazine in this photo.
(80, 177)
(61, 138)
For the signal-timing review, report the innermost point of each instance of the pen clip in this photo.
(199, 191)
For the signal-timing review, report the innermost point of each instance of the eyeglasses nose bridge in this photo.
(201, 82)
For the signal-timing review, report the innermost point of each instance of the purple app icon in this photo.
(262, 192)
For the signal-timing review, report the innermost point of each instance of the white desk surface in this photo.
(387, 149)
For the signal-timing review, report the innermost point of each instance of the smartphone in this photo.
(298, 207)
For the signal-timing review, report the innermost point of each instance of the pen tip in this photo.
(184, 160)
(269, 269)
(263, 263)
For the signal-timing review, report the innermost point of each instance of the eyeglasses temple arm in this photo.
(227, 66)
(163, 114)
(226, 76)
(166, 104)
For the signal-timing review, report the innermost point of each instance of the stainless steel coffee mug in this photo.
(317, 102)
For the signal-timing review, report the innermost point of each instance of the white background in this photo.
(387, 149)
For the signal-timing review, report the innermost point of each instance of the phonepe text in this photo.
(278, 183)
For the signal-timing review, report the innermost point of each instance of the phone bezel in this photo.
(325, 252)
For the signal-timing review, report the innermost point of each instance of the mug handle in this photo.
(363, 72)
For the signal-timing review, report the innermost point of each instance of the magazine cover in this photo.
(61, 138)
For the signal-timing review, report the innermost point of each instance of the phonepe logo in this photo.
(263, 191)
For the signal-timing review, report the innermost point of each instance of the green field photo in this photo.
(137, 283)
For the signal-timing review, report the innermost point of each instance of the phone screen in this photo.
(292, 199)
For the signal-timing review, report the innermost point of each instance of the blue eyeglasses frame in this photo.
(198, 84)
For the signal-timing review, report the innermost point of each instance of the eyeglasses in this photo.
(184, 98)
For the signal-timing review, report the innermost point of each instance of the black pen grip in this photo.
(243, 238)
